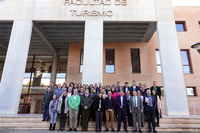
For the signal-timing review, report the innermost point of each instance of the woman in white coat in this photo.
(63, 109)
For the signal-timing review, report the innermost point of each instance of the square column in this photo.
(14, 67)
(93, 52)
(172, 70)
(54, 67)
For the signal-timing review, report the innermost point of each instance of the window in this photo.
(2, 59)
(81, 61)
(135, 61)
(61, 69)
(158, 61)
(180, 26)
(199, 24)
(110, 63)
(186, 61)
(191, 91)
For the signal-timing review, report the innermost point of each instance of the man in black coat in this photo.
(150, 106)
(93, 96)
(126, 88)
(156, 88)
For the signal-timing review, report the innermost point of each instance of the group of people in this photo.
(79, 102)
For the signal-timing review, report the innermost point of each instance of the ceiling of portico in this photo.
(51, 36)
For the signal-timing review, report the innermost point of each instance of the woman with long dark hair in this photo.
(158, 108)
(99, 106)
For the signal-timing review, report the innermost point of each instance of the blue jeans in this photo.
(45, 111)
(53, 116)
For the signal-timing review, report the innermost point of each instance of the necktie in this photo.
(135, 101)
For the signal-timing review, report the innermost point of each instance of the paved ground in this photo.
(46, 131)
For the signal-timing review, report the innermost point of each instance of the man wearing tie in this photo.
(121, 102)
(150, 106)
(136, 108)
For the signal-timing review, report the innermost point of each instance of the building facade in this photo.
(88, 41)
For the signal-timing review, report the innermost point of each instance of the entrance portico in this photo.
(132, 22)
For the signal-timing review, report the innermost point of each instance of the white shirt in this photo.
(121, 100)
(75, 97)
(69, 94)
(135, 101)
(99, 104)
(126, 90)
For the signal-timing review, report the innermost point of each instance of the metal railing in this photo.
(193, 106)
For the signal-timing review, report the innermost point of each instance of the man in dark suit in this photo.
(93, 96)
(134, 87)
(127, 88)
(150, 106)
(121, 102)
(109, 111)
(156, 88)
(136, 108)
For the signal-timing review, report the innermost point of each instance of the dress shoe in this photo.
(59, 129)
(113, 130)
(140, 131)
(69, 130)
(106, 130)
(75, 130)
(43, 120)
(142, 124)
(148, 131)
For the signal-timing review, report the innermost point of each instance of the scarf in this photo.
(52, 106)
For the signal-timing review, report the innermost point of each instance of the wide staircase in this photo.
(35, 122)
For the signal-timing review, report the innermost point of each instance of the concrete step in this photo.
(166, 124)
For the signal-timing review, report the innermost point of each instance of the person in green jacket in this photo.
(73, 102)
(46, 100)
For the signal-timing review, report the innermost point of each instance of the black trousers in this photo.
(151, 118)
(92, 112)
(62, 118)
(99, 119)
(85, 118)
(79, 116)
(130, 119)
(157, 115)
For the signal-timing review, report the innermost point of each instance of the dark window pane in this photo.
(109, 57)
(135, 57)
(180, 27)
(135, 69)
(82, 53)
(62, 59)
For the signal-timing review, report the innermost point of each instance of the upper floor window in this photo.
(186, 61)
(81, 61)
(180, 26)
(158, 61)
(191, 91)
(110, 61)
(135, 61)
